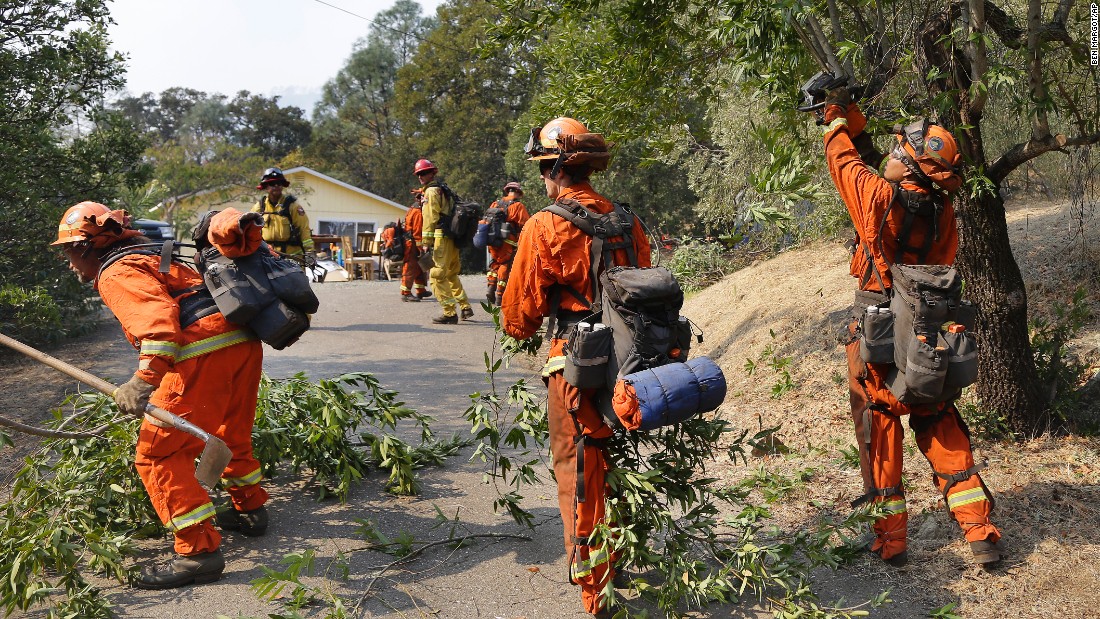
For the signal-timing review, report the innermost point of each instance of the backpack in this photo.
(395, 249)
(633, 332)
(931, 363)
(267, 294)
(461, 224)
(295, 238)
(492, 228)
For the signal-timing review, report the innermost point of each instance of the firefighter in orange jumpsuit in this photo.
(414, 282)
(941, 434)
(501, 264)
(554, 254)
(192, 363)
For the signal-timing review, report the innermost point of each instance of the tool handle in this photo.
(101, 385)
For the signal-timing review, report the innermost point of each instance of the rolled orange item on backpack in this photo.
(626, 405)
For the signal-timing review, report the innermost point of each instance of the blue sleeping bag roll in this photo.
(676, 392)
(481, 237)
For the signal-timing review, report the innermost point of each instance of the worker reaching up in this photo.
(904, 217)
(193, 363)
(515, 215)
(438, 206)
(551, 276)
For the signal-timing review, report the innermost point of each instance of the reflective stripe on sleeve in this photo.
(161, 349)
(965, 497)
(836, 123)
(553, 364)
(191, 518)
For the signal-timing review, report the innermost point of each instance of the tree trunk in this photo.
(1008, 382)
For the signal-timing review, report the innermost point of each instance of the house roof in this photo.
(347, 186)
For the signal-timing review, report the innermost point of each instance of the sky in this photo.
(271, 47)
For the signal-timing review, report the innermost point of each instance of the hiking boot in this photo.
(251, 523)
(182, 571)
(898, 560)
(622, 579)
(602, 613)
(446, 320)
(467, 313)
(424, 294)
(985, 552)
(408, 298)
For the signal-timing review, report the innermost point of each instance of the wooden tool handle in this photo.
(101, 385)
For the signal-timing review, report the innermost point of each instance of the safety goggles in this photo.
(534, 147)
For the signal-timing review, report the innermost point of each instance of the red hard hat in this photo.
(513, 186)
(95, 223)
(423, 165)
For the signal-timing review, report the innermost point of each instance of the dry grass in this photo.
(1047, 490)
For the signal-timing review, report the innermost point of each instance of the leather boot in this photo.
(408, 298)
(467, 313)
(251, 523)
(985, 552)
(182, 571)
(446, 320)
(424, 294)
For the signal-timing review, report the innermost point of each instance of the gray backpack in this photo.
(924, 331)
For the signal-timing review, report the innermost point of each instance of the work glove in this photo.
(133, 397)
(249, 219)
(839, 97)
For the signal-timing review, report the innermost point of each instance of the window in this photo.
(350, 229)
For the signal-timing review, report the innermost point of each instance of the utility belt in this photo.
(566, 321)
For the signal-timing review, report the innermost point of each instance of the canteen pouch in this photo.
(962, 366)
(876, 344)
(278, 325)
(681, 340)
(291, 284)
(967, 315)
(586, 356)
(236, 299)
(922, 382)
(481, 237)
(668, 394)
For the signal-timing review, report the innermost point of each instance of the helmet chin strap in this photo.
(557, 165)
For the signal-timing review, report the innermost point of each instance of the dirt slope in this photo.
(1047, 490)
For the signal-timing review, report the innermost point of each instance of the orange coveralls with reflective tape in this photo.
(413, 279)
(554, 252)
(501, 264)
(208, 373)
(940, 431)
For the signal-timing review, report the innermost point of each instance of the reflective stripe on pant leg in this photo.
(944, 442)
(590, 568)
(444, 257)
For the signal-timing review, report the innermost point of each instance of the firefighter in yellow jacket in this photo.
(286, 225)
(445, 261)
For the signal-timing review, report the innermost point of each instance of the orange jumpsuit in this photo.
(501, 264)
(413, 278)
(209, 374)
(940, 431)
(553, 251)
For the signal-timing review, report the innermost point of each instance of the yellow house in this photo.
(334, 207)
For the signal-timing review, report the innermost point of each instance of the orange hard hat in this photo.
(931, 155)
(423, 165)
(95, 223)
(569, 142)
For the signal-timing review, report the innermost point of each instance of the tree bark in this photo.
(1008, 382)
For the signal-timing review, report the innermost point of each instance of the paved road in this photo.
(364, 326)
